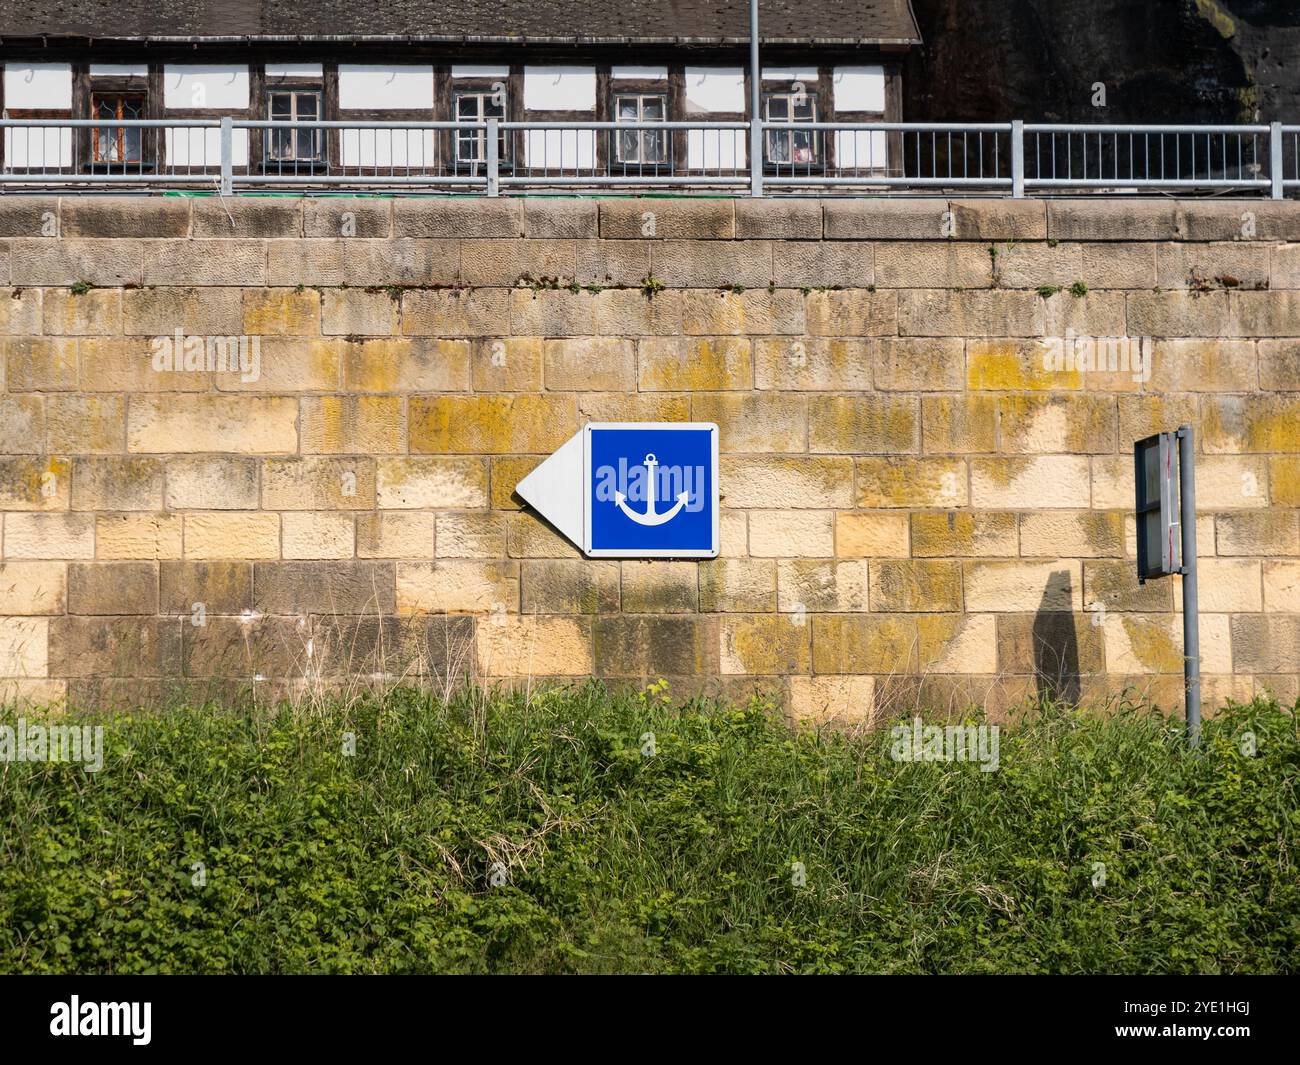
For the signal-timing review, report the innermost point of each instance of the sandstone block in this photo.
(534, 646)
(112, 588)
(396, 534)
(138, 536)
(231, 534)
(330, 588)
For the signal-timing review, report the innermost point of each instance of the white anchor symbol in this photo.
(650, 517)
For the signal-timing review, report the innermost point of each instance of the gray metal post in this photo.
(1191, 625)
(227, 156)
(755, 106)
(493, 153)
(1018, 159)
(1275, 162)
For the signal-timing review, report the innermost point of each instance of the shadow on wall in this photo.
(1056, 643)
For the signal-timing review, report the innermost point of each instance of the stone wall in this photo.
(916, 507)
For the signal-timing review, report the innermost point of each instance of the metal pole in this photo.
(755, 106)
(1018, 159)
(227, 156)
(1275, 163)
(493, 153)
(1191, 626)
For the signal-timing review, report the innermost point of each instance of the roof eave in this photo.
(461, 39)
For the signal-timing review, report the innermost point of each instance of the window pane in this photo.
(117, 144)
(791, 146)
(654, 109)
(293, 145)
(478, 107)
(627, 108)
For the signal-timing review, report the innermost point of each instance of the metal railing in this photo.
(1208, 157)
(1285, 153)
(493, 156)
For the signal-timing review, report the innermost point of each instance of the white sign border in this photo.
(613, 552)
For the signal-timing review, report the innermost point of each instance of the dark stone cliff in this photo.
(1160, 60)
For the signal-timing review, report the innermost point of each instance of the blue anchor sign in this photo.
(633, 489)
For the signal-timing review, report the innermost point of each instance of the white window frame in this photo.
(772, 137)
(479, 137)
(643, 137)
(317, 136)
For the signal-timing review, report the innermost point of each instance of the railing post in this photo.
(1018, 159)
(493, 154)
(755, 106)
(227, 156)
(1275, 162)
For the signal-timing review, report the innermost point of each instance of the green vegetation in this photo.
(381, 861)
(1048, 291)
(1079, 289)
(651, 286)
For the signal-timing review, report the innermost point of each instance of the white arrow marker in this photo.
(650, 517)
(555, 488)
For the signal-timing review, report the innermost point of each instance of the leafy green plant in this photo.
(316, 859)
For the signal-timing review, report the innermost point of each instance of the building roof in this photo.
(513, 21)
